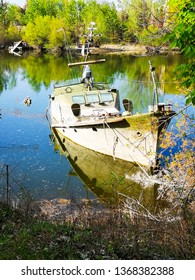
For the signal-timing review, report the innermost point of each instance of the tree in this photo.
(110, 20)
(183, 37)
(92, 13)
(71, 15)
(3, 25)
(37, 32)
(11, 22)
(105, 17)
(144, 21)
(43, 32)
(42, 8)
(15, 15)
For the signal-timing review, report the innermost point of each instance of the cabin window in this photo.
(78, 99)
(106, 97)
(92, 98)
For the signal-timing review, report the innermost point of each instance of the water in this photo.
(25, 144)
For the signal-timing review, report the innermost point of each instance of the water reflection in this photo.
(45, 69)
(110, 180)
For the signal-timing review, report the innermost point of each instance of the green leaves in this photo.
(43, 32)
(183, 37)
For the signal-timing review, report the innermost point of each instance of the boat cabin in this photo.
(77, 104)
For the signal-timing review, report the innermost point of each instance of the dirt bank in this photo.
(133, 49)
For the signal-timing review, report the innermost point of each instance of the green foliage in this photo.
(44, 32)
(183, 37)
(141, 20)
(10, 23)
(37, 32)
(13, 33)
(112, 24)
(42, 8)
(91, 12)
(14, 15)
(144, 21)
(110, 21)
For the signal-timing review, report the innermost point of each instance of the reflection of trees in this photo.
(7, 80)
(3, 81)
(132, 77)
(38, 70)
(9, 67)
(43, 70)
(128, 73)
(140, 93)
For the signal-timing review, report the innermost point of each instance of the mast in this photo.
(152, 69)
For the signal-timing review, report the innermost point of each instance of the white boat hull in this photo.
(137, 143)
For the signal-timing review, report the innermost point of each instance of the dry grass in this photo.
(88, 234)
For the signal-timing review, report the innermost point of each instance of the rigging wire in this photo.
(118, 139)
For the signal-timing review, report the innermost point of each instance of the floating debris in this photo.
(27, 101)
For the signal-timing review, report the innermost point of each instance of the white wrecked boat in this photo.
(88, 114)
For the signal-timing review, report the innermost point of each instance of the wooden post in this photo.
(7, 183)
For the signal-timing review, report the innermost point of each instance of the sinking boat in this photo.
(110, 181)
(88, 113)
(18, 47)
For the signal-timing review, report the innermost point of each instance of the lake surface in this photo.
(26, 144)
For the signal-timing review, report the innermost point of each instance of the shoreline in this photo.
(128, 49)
(133, 49)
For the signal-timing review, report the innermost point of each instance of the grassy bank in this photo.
(93, 235)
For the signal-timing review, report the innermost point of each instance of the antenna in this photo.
(89, 40)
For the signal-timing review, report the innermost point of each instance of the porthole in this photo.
(76, 109)
(139, 134)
